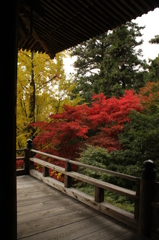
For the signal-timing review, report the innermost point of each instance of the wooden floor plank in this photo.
(130, 236)
(41, 205)
(40, 225)
(108, 233)
(115, 232)
(45, 213)
(74, 230)
(48, 212)
(37, 194)
(35, 200)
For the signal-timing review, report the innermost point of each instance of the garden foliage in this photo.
(98, 125)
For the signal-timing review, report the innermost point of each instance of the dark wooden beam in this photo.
(8, 75)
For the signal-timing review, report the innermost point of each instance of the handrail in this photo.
(144, 188)
(125, 176)
(93, 181)
(20, 158)
(20, 150)
(99, 186)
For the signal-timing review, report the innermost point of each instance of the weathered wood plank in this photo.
(44, 205)
(20, 158)
(37, 188)
(108, 209)
(26, 181)
(78, 230)
(20, 150)
(125, 176)
(22, 203)
(94, 182)
(48, 165)
(104, 185)
(37, 194)
(40, 225)
(131, 236)
(51, 210)
(52, 217)
(111, 232)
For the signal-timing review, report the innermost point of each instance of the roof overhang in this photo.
(51, 26)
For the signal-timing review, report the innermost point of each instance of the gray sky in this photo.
(150, 21)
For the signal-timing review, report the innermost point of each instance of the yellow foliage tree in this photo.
(42, 89)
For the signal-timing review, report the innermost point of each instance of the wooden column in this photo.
(8, 76)
(147, 191)
(155, 211)
(137, 203)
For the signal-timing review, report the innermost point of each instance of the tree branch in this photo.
(40, 87)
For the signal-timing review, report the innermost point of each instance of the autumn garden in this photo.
(106, 114)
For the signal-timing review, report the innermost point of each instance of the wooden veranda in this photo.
(39, 206)
(46, 213)
(47, 26)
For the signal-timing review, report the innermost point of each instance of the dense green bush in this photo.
(100, 157)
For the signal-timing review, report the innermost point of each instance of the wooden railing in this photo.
(136, 220)
(22, 171)
(24, 158)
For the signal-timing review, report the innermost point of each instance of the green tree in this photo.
(140, 139)
(123, 67)
(155, 39)
(154, 64)
(89, 65)
(153, 74)
(110, 62)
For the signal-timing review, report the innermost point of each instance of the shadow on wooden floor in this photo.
(45, 213)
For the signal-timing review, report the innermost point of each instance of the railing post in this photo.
(99, 194)
(137, 203)
(68, 179)
(26, 161)
(148, 181)
(45, 172)
(27, 156)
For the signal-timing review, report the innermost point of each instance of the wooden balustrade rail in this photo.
(96, 202)
(93, 181)
(125, 176)
(21, 171)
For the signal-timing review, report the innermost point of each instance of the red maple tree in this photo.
(98, 125)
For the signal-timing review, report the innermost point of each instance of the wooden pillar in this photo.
(137, 203)
(147, 191)
(8, 76)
